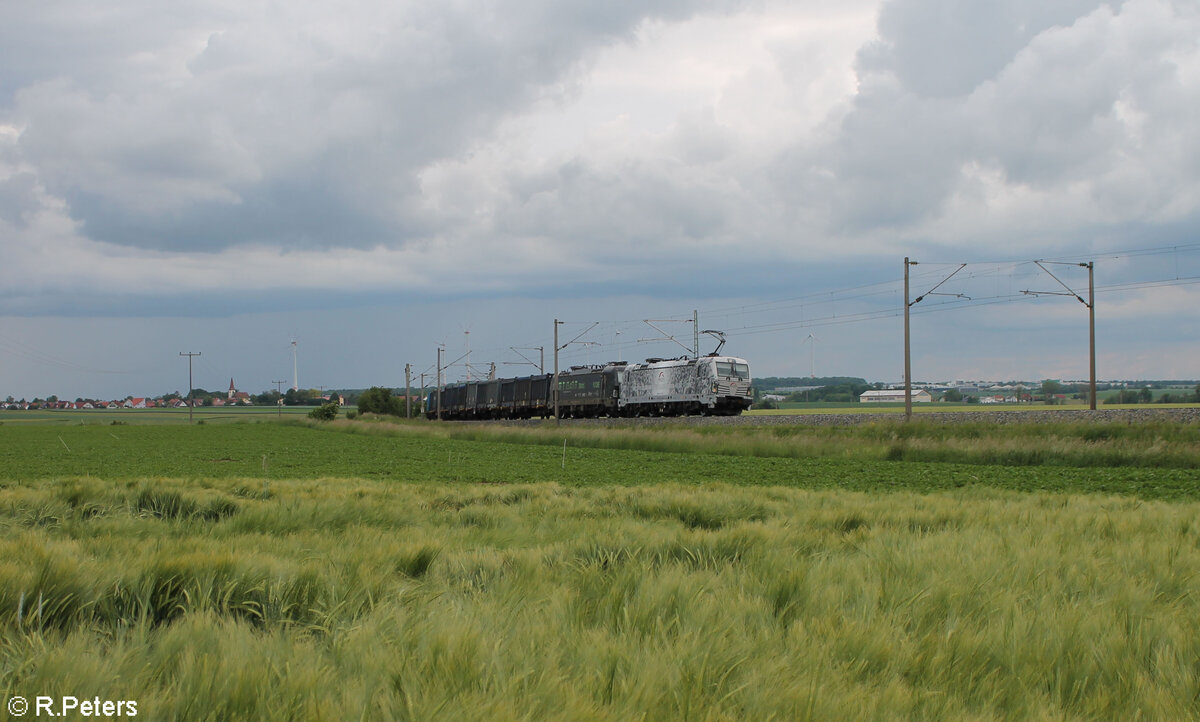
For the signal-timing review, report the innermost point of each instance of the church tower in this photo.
(232, 388)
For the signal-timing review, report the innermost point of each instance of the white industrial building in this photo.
(891, 396)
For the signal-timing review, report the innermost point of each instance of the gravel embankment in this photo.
(1033, 415)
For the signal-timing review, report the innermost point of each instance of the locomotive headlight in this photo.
(715, 386)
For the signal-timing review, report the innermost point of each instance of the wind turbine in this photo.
(812, 372)
(295, 368)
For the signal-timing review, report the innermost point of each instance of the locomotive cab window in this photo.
(729, 370)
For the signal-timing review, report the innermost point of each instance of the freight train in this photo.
(717, 385)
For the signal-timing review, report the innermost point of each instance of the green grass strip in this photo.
(431, 453)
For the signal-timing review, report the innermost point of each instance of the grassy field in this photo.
(208, 415)
(420, 571)
(1149, 461)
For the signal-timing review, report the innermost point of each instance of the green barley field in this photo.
(368, 570)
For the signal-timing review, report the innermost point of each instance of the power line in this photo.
(756, 315)
(14, 347)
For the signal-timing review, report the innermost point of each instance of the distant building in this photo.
(891, 396)
(235, 396)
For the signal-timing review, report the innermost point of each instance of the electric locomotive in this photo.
(718, 385)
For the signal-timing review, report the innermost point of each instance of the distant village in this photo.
(1050, 391)
(198, 398)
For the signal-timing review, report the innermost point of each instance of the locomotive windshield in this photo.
(732, 370)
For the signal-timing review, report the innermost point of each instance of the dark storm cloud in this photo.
(639, 211)
(17, 198)
(89, 42)
(944, 48)
(237, 126)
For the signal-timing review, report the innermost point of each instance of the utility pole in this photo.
(439, 383)
(558, 348)
(907, 338)
(1090, 303)
(907, 347)
(279, 401)
(696, 333)
(191, 401)
(423, 409)
(407, 391)
(1092, 331)
(557, 420)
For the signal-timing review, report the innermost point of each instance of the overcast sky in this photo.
(376, 178)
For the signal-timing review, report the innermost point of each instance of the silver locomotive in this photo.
(718, 385)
